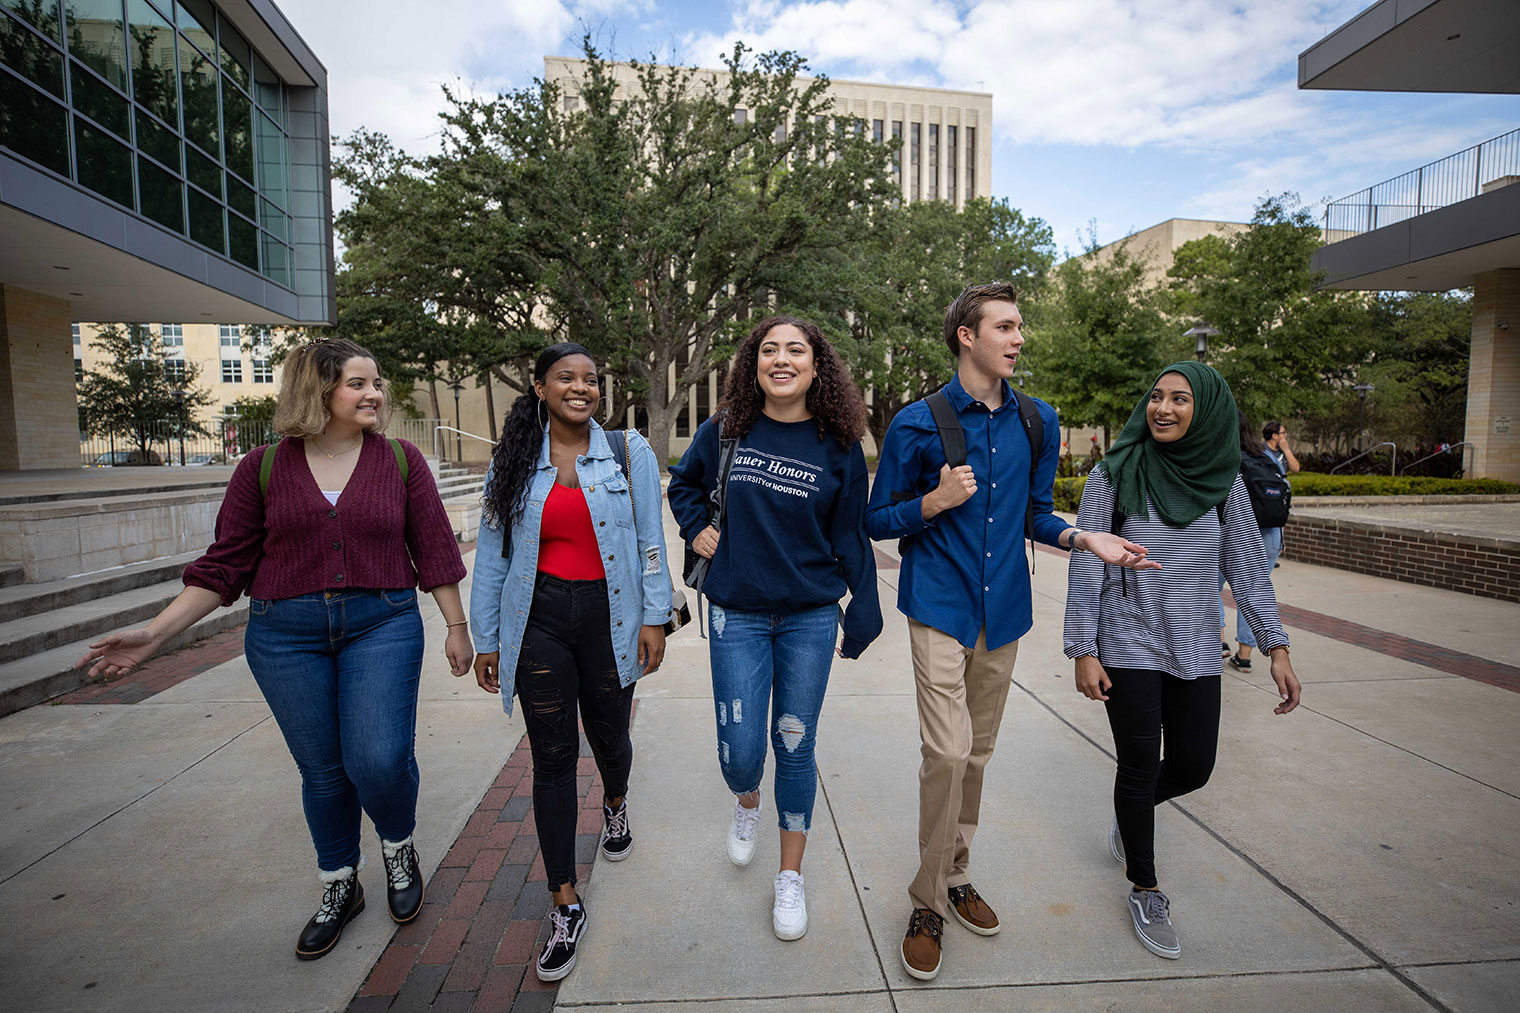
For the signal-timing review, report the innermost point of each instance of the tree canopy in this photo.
(129, 394)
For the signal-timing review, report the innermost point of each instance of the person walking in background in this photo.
(570, 598)
(964, 587)
(1276, 438)
(1267, 488)
(331, 531)
(790, 547)
(1143, 643)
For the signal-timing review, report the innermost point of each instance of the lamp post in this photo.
(1021, 374)
(1362, 390)
(179, 421)
(458, 388)
(1201, 335)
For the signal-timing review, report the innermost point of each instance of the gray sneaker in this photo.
(1116, 843)
(1151, 912)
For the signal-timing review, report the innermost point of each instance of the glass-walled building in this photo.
(161, 159)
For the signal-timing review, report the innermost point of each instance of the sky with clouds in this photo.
(1114, 113)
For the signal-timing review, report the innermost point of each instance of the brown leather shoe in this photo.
(920, 947)
(973, 912)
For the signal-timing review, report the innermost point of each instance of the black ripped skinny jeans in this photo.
(566, 660)
(1145, 709)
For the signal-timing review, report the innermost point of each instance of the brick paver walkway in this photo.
(473, 944)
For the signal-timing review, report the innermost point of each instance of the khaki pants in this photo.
(961, 695)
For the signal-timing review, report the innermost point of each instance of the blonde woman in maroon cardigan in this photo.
(331, 537)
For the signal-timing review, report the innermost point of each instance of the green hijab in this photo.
(1187, 477)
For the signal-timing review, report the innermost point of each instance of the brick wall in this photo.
(1488, 567)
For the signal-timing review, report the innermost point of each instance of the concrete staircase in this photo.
(46, 627)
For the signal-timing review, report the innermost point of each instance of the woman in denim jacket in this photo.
(570, 598)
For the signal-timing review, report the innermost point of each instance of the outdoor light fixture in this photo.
(1201, 335)
(458, 388)
(1362, 390)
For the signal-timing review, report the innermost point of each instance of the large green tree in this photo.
(129, 394)
(883, 300)
(649, 222)
(1099, 338)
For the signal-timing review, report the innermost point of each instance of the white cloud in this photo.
(387, 59)
(1111, 72)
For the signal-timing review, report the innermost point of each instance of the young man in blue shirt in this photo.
(965, 589)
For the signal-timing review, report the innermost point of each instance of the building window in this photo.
(172, 336)
(263, 372)
(971, 163)
(741, 116)
(915, 130)
(704, 399)
(952, 167)
(174, 371)
(877, 131)
(897, 156)
(232, 370)
(934, 161)
(78, 369)
(572, 103)
(193, 78)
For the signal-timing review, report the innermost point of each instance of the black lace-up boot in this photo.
(342, 899)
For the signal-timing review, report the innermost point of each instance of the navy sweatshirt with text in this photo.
(795, 533)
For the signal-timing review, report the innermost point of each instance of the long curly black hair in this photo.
(833, 398)
(516, 455)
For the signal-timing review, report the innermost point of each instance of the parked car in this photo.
(114, 458)
(196, 460)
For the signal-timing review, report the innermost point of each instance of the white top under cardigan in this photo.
(1167, 620)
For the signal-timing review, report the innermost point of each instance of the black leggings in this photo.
(566, 658)
(1145, 708)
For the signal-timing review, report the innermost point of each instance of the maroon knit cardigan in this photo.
(290, 541)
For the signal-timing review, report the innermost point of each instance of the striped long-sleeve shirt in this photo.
(1167, 620)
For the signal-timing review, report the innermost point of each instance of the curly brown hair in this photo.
(833, 398)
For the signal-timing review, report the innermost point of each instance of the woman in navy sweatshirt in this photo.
(793, 542)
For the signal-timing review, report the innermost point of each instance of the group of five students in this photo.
(331, 532)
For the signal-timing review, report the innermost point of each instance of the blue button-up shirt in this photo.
(965, 569)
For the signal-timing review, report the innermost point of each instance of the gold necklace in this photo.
(334, 457)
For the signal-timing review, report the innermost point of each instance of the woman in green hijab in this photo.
(1144, 643)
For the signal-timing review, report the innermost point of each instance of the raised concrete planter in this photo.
(60, 539)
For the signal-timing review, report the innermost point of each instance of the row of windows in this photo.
(175, 372)
(161, 107)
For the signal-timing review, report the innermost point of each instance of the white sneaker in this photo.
(741, 835)
(789, 916)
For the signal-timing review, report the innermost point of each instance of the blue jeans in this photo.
(1271, 540)
(340, 672)
(777, 663)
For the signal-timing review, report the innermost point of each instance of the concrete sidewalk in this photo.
(1363, 853)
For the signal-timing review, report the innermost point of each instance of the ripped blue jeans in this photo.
(772, 665)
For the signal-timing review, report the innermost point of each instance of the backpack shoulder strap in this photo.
(266, 467)
(1034, 428)
(951, 436)
(617, 439)
(400, 459)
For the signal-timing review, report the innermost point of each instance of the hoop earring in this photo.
(542, 416)
(607, 400)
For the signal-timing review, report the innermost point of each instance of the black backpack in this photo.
(952, 439)
(1271, 496)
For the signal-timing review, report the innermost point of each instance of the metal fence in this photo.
(1466, 174)
(229, 439)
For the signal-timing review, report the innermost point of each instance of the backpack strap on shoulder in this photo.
(266, 467)
(617, 439)
(1034, 428)
(400, 459)
(952, 437)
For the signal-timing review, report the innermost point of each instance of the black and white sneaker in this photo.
(617, 840)
(558, 956)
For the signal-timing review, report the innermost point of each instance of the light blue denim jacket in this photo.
(638, 581)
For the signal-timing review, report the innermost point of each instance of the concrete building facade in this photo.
(1454, 223)
(159, 160)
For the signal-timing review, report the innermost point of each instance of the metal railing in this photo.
(228, 440)
(1446, 448)
(1392, 467)
(1495, 162)
(438, 434)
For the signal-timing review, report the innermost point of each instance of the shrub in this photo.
(1068, 493)
(1308, 483)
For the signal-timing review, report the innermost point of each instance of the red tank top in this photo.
(566, 540)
